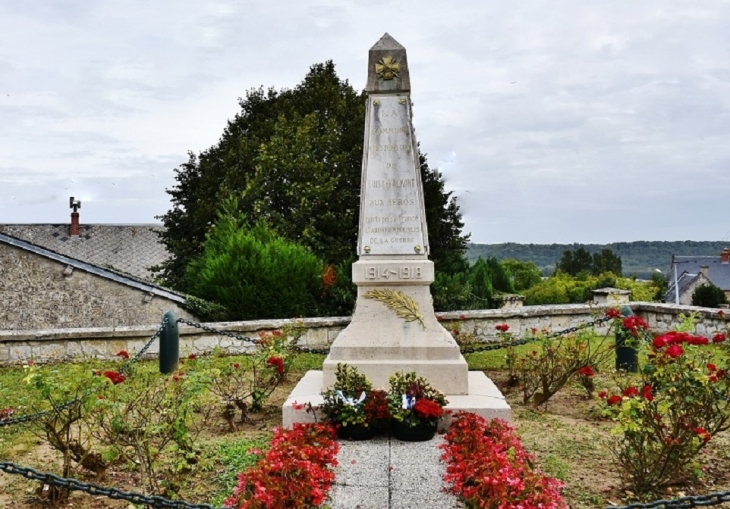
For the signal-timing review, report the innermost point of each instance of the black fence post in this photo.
(169, 345)
(627, 357)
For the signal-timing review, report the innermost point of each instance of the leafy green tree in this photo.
(709, 296)
(575, 262)
(606, 261)
(294, 158)
(255, 273)
(523, 274)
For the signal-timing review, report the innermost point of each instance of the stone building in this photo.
(694, 271)
(73, 276)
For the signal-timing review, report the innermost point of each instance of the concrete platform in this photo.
(385, 473)
(484, 398)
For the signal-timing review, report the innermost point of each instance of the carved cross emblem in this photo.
(387, 68)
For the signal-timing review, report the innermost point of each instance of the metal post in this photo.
(627, 358)
(169, 345)
(676, 286)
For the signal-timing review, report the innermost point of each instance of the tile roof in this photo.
(131, 249)
(93, 269)
(718, 272)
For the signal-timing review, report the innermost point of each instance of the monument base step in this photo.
(484, 399)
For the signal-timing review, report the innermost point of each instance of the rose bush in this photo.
(680, 400)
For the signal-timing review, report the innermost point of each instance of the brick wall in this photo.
(36, 294)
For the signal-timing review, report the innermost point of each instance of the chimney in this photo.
(725, 256)
(74, 229)
(705, 271)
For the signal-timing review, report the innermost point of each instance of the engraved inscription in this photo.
(394, 272)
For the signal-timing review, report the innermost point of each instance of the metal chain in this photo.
(124, 369)
(255, 341)
(95, 489)
(216, 331)
(32, 417)
(517, 342)
(682, 503)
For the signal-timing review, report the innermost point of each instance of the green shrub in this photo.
(254, 273)
(709, 296)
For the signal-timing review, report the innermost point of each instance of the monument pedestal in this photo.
(394, 328)
(484, 399)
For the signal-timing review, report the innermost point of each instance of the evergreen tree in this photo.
(709, 296)
(294, 158)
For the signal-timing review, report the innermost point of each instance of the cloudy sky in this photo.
(553, 122)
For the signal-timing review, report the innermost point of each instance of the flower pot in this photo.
(418, 433)
(355, 432)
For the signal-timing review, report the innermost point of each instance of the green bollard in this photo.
(627, 358)
(169, 345)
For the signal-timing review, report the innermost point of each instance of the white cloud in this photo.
(573, 121)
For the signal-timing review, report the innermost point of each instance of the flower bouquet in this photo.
(346, 402)
(416, 407)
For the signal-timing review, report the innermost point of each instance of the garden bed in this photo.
(568, 437)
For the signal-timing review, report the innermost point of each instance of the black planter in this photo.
(418, 433)
(627, 358)
(355, 432)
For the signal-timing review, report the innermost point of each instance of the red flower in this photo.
(6, 413)
(711, 367)
(502, 327)
(719, 338)
(177, 377)
(115, 377)
(659, 342)
(439, 318)
(192, 356)
(713, 378)
(721, 313)
(613, 313)
(614, 400)
(277, 333)
(631, 392)
(674, 351)
(462, 317)
(633, 324)
(236, 365)
(703, 434)
(602, 394)
(297, 406)
(646, 393)
(276, 362)
(123, 354)
(586, 371)
(427, 409)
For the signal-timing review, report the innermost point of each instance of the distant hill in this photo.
(638, 258)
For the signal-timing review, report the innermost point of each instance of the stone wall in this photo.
(39, 293)
(60, 344)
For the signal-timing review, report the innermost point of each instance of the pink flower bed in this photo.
(487, 467)
(297, 470)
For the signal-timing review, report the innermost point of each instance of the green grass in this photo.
(235, 455)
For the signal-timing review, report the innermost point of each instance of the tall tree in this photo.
(573, 262)
(606, 261)
(294, 158)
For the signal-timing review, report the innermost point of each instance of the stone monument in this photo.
(394, 327)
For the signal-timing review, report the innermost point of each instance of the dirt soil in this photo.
(567, 438)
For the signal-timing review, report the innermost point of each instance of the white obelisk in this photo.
(394, 327)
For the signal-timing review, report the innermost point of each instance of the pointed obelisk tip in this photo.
(388, 67)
